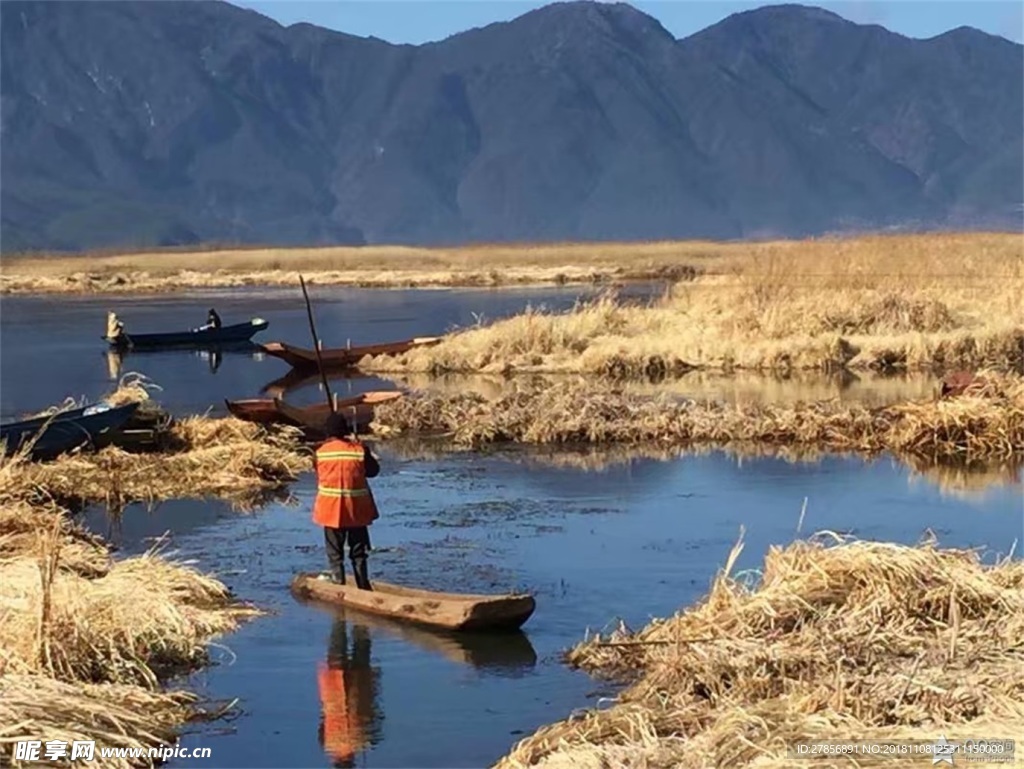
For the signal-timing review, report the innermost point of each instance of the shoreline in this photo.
(752, 669)
(93, 642)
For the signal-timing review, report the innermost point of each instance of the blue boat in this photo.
(92, 425)
(237, 334)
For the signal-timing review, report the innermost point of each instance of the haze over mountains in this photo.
(157, 123)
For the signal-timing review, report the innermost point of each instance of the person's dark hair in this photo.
(336, 426)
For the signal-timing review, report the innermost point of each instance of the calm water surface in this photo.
(633, 542)
(636, 540)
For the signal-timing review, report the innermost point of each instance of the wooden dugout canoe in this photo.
(451, 611)
(276, 411)
(337, 357)
(507, 653)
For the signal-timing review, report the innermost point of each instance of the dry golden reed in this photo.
(370, 266)
(910, 302)
(199, 456)
(86, 639)
(987, 421)
(838, 640)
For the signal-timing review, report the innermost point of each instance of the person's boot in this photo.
(359, 570)
(335, 575)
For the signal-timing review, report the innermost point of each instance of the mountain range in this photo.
(133, 123)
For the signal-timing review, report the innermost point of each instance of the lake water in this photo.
(637, 539)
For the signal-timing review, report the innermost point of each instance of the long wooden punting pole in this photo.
(316, 346)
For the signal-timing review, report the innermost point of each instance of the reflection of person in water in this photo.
(349, 689)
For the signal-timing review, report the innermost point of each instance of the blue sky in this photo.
(419, 21)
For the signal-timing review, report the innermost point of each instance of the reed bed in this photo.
(36, 707)
(85, 639)
(986, 422)
(838, 639)
(199, 456)
(870, 388)
(371, 266)
(909, 302)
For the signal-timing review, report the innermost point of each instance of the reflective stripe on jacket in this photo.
(343, 498)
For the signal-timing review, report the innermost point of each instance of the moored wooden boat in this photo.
(509, 651)
(453, 611)
(236, 335)
(336, 357)
(67, 430)
(276, 411)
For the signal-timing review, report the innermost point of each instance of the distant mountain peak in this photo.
(139, 123)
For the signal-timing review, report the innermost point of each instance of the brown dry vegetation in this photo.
(376, 266)
(745, 387)
(85, 640)
(853, 641)
(987, 422)
(899, 302)
(228, 458)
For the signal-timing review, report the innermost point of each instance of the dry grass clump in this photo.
(875, 303)
(228, 458)
(869, 388)
(34, 707)
(986, 422)
(86, 639)
(856, 640)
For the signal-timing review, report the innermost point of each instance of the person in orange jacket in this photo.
(344, 504)
(348, 696)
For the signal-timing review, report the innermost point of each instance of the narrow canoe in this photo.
(304, 358)
(235, 334)
(453, 611)
(66, 431)
(510, 652)
(276, 411)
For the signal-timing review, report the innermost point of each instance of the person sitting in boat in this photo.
(212, 321)
(349, 719)
(344, 505)
(115, 328)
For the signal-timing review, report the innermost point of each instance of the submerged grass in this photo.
(848, 640)
(906, 302)
(986, 422)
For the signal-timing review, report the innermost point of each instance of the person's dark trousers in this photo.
(358, 547)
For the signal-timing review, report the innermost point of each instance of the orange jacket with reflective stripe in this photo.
(343, 732)
(343, 498)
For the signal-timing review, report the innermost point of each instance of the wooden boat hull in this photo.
(233, 335)
(276, 411)
(67, 430)
(510, 652)
(452, 611)
(340, 357)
